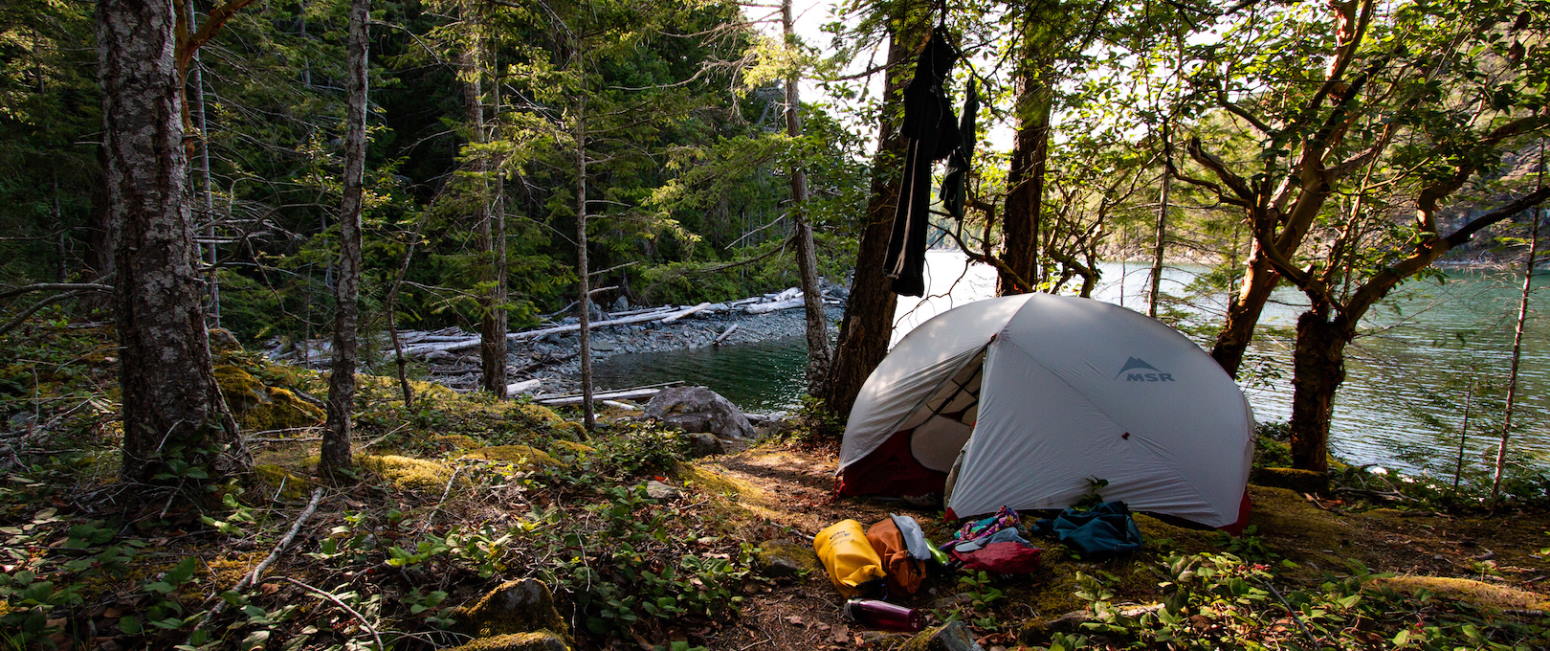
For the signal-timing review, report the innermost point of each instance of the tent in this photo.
(1021, 400)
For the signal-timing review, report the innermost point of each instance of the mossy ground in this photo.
(526, 498)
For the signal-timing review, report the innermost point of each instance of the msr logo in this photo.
(1137, 370)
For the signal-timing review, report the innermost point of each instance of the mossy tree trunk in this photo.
(175, 425)
(341, 378)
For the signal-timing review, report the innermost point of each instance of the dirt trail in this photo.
(790, 488)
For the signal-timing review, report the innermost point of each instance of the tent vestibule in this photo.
(1023, 400)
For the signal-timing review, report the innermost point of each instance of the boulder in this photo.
(659, 491)
(698, 409)
(258, 407)
(778, 559)
(515, 607)
(953, 636)
(702, 444)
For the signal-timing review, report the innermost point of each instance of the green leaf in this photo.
(256, 640)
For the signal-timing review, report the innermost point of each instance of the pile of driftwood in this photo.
(421, 343)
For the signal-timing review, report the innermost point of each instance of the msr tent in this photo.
(1021, 400)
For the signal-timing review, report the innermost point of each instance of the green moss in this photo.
(1478, 593)
(572, 428)
(519, 606)
(521, 456)
(407, 473)
(800, 555)
(242, 389)
(533, 641)
(258, 407)
(455, 442)
(713, 482)
(571, 448)
(1180, 539)
(274, 478)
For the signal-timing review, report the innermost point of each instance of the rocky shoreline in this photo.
(549, 364)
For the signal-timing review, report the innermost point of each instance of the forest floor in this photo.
(642, 545)
(791, 485)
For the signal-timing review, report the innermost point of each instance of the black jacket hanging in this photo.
(931, 132)
(955, 182)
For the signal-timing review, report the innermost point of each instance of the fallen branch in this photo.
(337, 602)
(611, 395)
(763, 308)
(525, 386)
(25, 314)
(55, 287)
(279, 548)
(679, 315)
(724, 334)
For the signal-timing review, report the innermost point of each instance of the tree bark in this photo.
(196, 101)
(492, 310)
(1318, 369)
(173, 414)
(868, 322)
(1159, 236)
(1259, 280)
(1030, 154)
(341, 378)
(807, 258)
(1517, 344)
(584, 281)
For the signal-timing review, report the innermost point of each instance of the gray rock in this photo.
(659, 491)
(698, 409)
(953, 636)
(702, 444)
(520, 606)
(781, 559)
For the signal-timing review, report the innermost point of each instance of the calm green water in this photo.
(1406, 377)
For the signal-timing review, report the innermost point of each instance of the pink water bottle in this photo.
(875, 614)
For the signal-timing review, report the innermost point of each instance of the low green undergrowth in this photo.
(1218, 600)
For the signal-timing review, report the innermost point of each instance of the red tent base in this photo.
(892, 470)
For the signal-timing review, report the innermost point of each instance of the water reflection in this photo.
(1404, 384)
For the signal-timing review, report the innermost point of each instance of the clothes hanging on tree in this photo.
(930, 131)
(955, 183)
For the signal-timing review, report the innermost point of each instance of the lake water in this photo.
(1406, 376)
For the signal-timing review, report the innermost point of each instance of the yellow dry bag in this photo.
(848, 556)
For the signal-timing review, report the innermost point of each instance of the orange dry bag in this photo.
(848, 557)
(904, 572)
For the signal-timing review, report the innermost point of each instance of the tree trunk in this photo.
(1318, 363)
(868, 321)
(584, 292)
(1030, 155)
(196, 101)
(173, 414)
(341, 376)
(390, 307)
(1159, 241)
(1517, 346)
(492, 311)
(807, 257)
(1259, 280)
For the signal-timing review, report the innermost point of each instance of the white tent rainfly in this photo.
(1023, 400)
